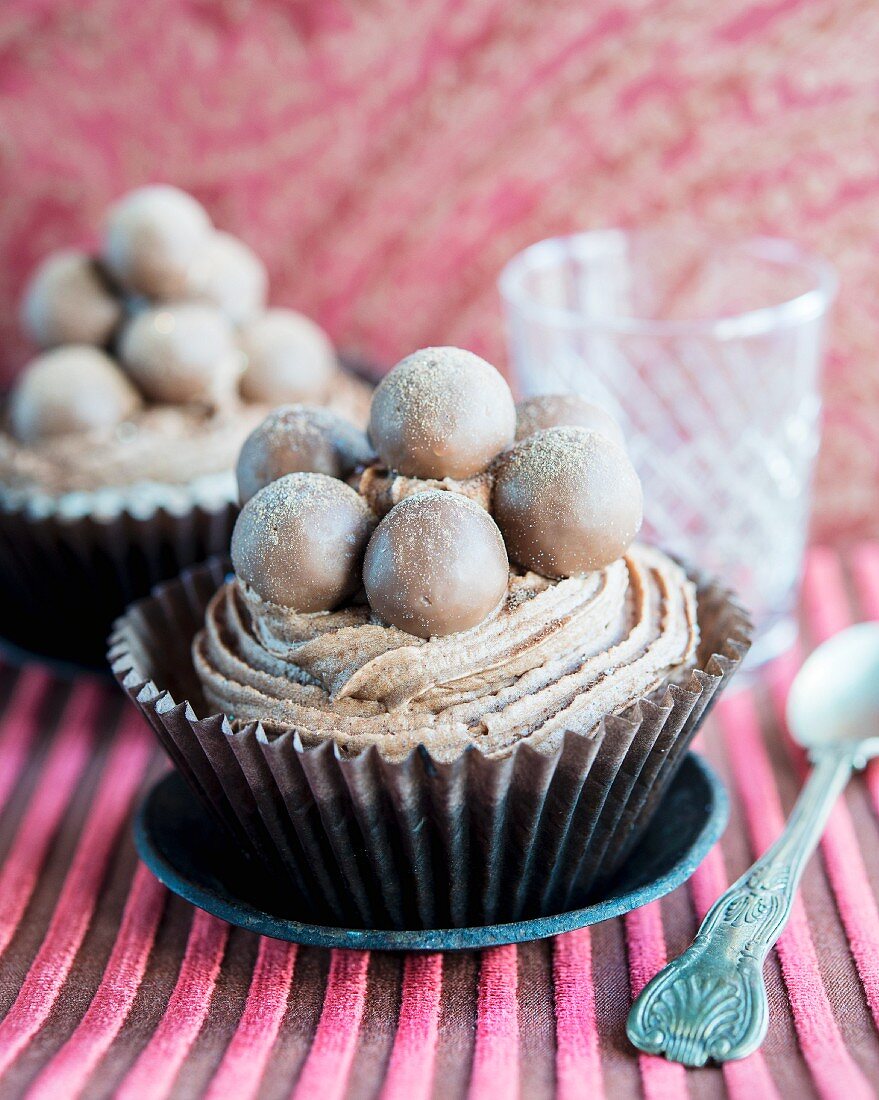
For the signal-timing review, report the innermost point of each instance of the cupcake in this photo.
(118, 441)
(450, 689)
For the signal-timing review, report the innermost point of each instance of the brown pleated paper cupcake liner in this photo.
(64, 579)
(419, 843)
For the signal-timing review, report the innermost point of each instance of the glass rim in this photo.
(807, 306)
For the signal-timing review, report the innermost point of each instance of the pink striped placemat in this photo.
(109, 986)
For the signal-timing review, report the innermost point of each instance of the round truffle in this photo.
(568, 501)
(231, 276)
(435, 565)
(71, 389)
(565, 410)
(152, 238)
(182, 354)
(69, 301)
(298, 439)
(300, 542)
(441, 412)
(288, 358)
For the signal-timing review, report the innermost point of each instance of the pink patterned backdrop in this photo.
(387, 158)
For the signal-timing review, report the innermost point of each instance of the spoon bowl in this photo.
(834, 699)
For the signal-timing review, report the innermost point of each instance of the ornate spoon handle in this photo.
(711, 1002)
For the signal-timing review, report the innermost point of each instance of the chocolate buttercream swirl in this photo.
(160, 444)
(556, 656)
(382, 489)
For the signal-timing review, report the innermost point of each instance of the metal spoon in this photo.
(710, 1004)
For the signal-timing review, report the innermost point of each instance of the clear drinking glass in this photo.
(709, 355)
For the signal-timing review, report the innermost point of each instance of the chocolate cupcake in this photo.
(459, 717)
(118, 442)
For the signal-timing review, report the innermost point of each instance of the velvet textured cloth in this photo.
(111, 986)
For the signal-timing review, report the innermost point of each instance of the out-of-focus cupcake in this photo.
(118, 441)
(466, 711)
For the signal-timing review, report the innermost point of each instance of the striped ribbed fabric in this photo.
(109, 986)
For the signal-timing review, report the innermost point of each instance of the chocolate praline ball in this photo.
(299, 439)
(231, 276)
(300, 541)
(181, 354)
(561, 410)
(441, 412)
(436, 565)
(568, 501)
(152, 237)
(288, 358)
(72, 389)
(69, 301)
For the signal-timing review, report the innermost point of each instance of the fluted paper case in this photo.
(64, 579)
(418, 843)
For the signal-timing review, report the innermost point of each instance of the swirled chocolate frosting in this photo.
(159, 444)
(555, 656)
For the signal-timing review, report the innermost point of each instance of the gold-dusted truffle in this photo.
(288, 359)
(69, 300)
(299, 439)
(564, 410)
(77, 388)
(229, 275)
(152, 238)
(182, 354)
(568, 501)
(435, 565)
(441, 412)
(300, 542)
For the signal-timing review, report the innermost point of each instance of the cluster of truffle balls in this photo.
(170, 310)
(563, 498)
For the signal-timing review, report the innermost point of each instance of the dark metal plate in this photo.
(188, 853)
